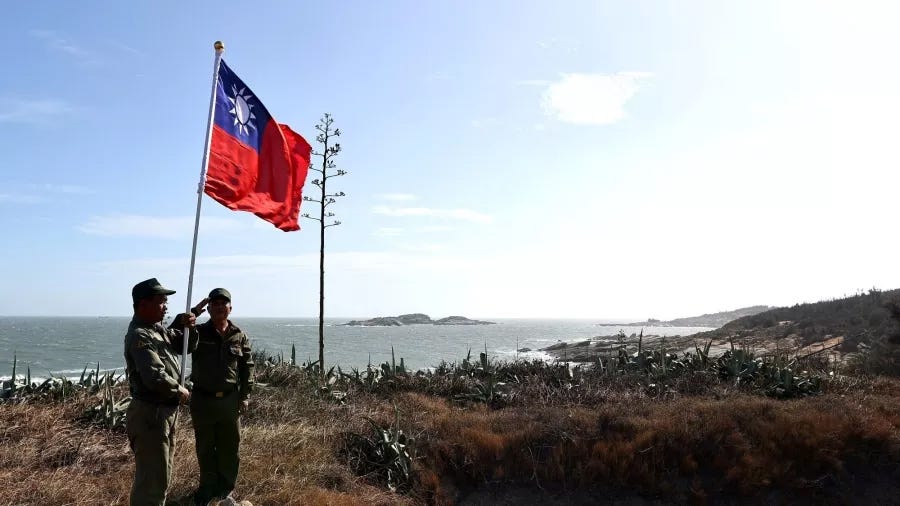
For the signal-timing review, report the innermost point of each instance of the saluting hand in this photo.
(199, 308)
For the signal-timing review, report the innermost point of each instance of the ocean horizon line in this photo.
(617, 320)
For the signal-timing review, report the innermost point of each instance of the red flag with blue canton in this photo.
(255, 164)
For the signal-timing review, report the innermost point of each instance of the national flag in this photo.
(255, 164)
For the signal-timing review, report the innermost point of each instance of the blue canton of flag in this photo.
(238, 111)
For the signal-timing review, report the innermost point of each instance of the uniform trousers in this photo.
(151, 435)
(217, 436)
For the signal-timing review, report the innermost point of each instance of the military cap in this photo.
(220, 292)
(149, 288)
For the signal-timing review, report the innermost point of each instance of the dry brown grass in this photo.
(841, 447)
(683, 450)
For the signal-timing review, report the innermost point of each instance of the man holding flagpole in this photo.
(250, 163)
(156, 393)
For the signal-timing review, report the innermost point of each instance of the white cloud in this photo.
(397, 232)
(438, 75)
(19, 199)
(592, 99)
(387, 232)
(397, 197)
(37, 193)
(436, 228)
(555, 44)
(485, 123)
(423, 248)
(279, 265)
(63, 188)
(453, 214)
(33, 193)
(13, 110)
(125, 48)
(534, 82)
(127, 225)
(56, 43)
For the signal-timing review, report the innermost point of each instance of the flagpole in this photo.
(220, 48)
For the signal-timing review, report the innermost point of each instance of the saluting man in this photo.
(153, 378)
(222, 375)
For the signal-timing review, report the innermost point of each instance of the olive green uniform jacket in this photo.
(222, 375)
(153, 374)
(222, 363)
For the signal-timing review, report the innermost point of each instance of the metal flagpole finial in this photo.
(219, 46)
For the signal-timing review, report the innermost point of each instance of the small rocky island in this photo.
(414, 319)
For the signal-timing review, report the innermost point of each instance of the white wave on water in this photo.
(89, 370)
(62, 346)
(71, 374)
(36, 380)
(523, 355)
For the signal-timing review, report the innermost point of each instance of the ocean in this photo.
(65, 345)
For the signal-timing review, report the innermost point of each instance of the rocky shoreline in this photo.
(605, 346)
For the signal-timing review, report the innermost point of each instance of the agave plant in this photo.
(489, 391)
(739, 365)
(109, 413)
(12, 389)
(779, 380)
(388, 453)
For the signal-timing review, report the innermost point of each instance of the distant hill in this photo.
(866, 317)
(707, 320)
(833, 330)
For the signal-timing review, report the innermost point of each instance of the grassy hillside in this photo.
(865, 329)
(481, 432)
(861, 318)
(645, 426)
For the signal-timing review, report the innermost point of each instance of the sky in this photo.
(585, 159)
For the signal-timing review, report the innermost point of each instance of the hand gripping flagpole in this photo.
(220, 48)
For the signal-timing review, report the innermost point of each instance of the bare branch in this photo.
(329, 149)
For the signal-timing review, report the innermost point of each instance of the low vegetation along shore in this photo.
(647, 426)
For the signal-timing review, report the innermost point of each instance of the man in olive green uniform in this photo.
(153, 377)
(222, 375)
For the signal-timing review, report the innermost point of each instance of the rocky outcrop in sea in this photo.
(414, 319)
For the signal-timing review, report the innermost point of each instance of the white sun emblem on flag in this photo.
(242, 110)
